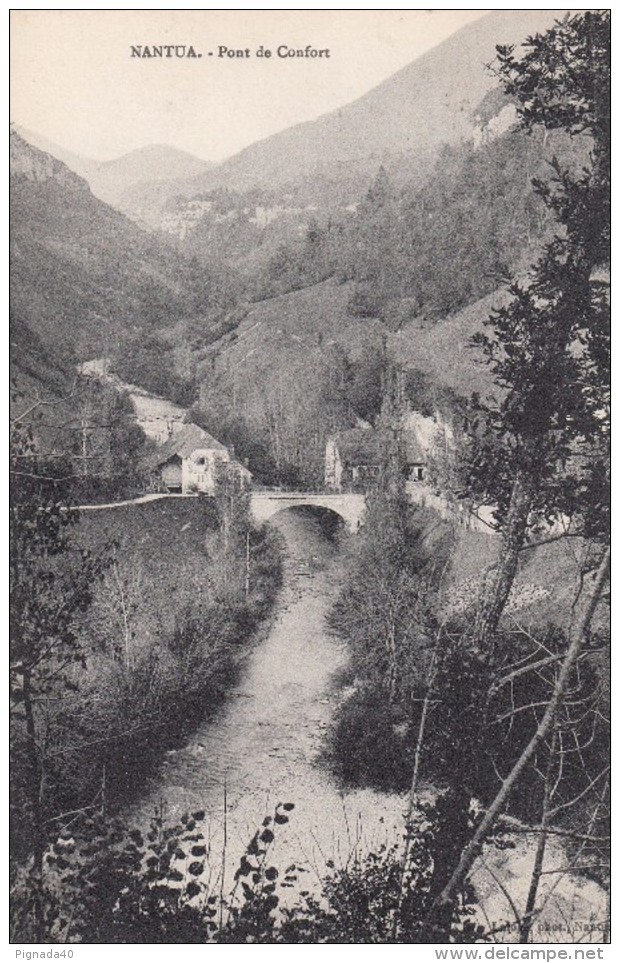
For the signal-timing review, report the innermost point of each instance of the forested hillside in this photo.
(402, 275)
(428, 263)
(414, 242)
(398, 273)
(82, 275)
(440, 646)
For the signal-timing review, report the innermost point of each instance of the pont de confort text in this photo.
(222, 52)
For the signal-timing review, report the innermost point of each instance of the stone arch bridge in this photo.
(351, 507)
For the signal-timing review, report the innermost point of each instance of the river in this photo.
(264, 745)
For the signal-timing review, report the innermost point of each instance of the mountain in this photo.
(321, 167)
(114, 180)
(401, 123)
(83, 166)
(111, 180)
(83, 276)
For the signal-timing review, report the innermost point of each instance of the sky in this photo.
(74, 82)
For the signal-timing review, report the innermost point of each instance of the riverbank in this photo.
(162, 640)
(261, 745)
(264, 744)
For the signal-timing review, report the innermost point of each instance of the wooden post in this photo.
(247, 563)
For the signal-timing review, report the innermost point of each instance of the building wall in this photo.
(428, 430)
(158, 417)
(199, 469)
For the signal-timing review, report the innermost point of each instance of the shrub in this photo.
(105, 883)
(369, 743)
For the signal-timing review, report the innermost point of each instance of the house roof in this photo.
(183, 443)
(370, 446)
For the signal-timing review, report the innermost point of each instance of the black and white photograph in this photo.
(310, 480)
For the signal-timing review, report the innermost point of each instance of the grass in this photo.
(293, 327)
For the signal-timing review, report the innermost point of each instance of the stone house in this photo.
(355, 458)
(190, 461)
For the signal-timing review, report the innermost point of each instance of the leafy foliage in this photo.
(105, 695)
(385, 612)
(107, 884)
(52, 581)
(429, 251)
(385, 609)
(162, 649)
(548, 348)
(280, 421)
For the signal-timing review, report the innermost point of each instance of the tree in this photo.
(385, 613)
(375, 234)
(50, 587)
(538, 452)
(104, 440)
(233, 506)
(578, 639)
(548, 349)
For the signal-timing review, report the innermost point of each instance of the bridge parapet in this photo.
(350, 507)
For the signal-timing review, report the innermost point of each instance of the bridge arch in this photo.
(350, 507)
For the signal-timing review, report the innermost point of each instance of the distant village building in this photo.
(191, 460)
(354, 459)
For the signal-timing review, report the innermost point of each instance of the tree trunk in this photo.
(525, 926)
(500, 581)
(83, 469)
(413, 794)
(36, 782)
(124, 613)
(577, 639)
(390, 644)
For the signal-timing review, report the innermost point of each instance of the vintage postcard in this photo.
(309, 478)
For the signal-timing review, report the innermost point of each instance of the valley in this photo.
(310, 513)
